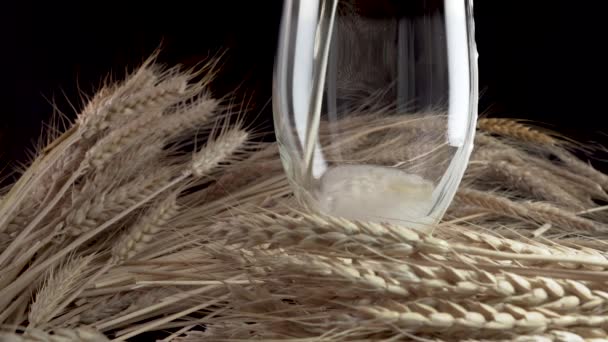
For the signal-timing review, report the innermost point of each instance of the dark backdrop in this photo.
(539, 60)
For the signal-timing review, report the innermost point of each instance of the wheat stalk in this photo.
(124, 303)
(83, 334)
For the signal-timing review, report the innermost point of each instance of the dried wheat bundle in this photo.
(157, 212)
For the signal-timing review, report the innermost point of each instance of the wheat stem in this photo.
(163, 304)
(131, 332)
(178, 333)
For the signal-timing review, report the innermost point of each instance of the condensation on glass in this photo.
(375, 105)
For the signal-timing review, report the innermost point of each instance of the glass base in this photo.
(376, 193)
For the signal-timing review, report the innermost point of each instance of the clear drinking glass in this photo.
(375, 105)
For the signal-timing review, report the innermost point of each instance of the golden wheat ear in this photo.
(517, 130)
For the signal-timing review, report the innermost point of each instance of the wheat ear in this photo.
(588, 186)
(475, 318)
(582, 168)
(539, 213)
(514, 129)
(328, 232)
(188, 119)
(117, 140)
(111, 112)
(57, 286)
(94, 210)
(218, 151)
(144, 230)
(324, 277)
(531, 182)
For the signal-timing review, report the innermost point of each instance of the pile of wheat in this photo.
(157, 213)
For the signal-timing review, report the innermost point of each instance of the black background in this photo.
(539, 60)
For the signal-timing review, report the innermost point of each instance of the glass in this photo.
(375, 105)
